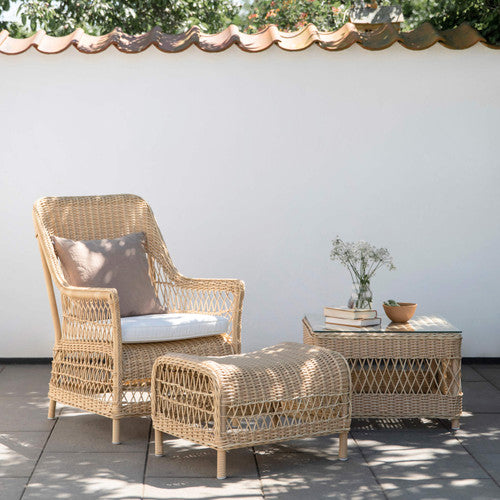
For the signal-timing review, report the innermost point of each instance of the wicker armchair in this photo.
(92, 369)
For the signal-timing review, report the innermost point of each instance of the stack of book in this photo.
(344, 316)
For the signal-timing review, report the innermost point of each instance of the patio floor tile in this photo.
(25, 380)
(481, 397)
(379, 441)
(491, 462)
(442, 489)
(272, 462)
(183, 459)
(395, 424)
(470, 374)
(425, 463)
(295, 475)
(87, 475)
(480, 433)
(25, 414)
(11, 488)
(206, 488)
(77, 431)
(321, 446)
(490, 373)
(19, 452)
(73, 457)
(299, 487)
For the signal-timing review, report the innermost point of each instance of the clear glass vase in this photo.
(361, 296)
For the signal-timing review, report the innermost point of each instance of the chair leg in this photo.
(116, 431)
(221, 464)
(343, 446)
(52, 409)
(158, 443)
(455, 424)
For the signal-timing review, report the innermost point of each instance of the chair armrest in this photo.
(228, 285)
(87, 292)
(90, 315)
(223, 297)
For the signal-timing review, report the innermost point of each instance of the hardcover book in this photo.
(346, 313)
(358, 323)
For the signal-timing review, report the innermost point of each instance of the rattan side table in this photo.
(279, 393)
(410, 370)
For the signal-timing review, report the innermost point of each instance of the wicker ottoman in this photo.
(283, 392)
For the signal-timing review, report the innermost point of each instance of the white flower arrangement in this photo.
(362, 260)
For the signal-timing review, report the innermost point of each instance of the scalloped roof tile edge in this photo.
(423, 37)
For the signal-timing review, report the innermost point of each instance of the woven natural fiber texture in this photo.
(282, 392)
(92, 370)
(399, 374)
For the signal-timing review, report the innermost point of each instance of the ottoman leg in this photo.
(52, 409)
(455, 424)
(116, 431)
(221, 464)
(158, 443)
(343, 446)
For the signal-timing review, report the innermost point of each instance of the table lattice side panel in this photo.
(405, 376)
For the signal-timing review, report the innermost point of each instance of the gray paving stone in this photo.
(412, 458)
(470, 374)
(481, 397)
(87, 475)
(77, 431)
(491, 462)
(490, 373)
(25, 380)
(290, 487)
(11, 488)
(395, 424)
(19, 452)
(25, 414)
(156, 488)
(321, 446)
(425, 464)
(296, 475)
(378, 441)
(480, 433)
(271, 462)
(185, 459)
(442, 489)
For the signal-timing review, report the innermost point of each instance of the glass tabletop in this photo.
(418, 324)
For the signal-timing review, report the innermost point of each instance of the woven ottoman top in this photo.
(282, 372)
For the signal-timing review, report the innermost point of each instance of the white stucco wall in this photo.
(254, 162)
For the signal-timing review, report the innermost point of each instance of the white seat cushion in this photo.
(172, 326)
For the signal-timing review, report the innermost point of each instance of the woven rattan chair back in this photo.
(100, 217)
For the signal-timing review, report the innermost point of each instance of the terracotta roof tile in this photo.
(421, 38)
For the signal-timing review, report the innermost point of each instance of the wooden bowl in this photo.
(402, 313)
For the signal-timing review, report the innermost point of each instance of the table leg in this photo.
(158, 443)
(221, 464)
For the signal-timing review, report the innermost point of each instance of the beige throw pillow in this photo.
(119, 263)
